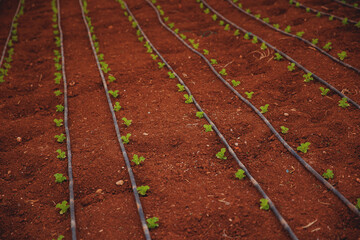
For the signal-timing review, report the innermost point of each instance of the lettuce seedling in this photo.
(137, 160)
(152, 222)
(162, 13)
(345, 21)
(181, 88)
(60, 138)
(300, 34)
(240, 174)
(171, 25)
(192, 41)
(327, 46)
(318, 14)
(59, 178)
(237, 32)
(291, 67)
(141, 39)
(307, 9)
(126, 139)
(60, 237)
(308, 77)
(227, 27)
(357, 24)
(201, 5)
(59, 108)
(284, 129)
(196, 45)
(358, 203)
(111, 78)
(249, 94)
(221, 23)
(183, 36)
(240, 5)
(188, 98)
(264, 108)
(58, 122)
(166, 19)
(105, 67)
(254, 40)
(221, 154)
(171, 75)
(61, 155)
(303, 147)
(248, 10)
(206, 52)
(288, 29)
(257, 16)
(343, 103)
(246, 36)
(57, 93)
(117, 107)
(200, 114)
(331, 18)
(213, 61)
(214, 17)
(126, 121)
(57, 59)
(223, 72)
(7, 65)
(63, 207)
(161, 65)
(208, 128)
(267, 20)
(328, 174)
(134, 24)
(314, 41)
(342, 55)
(278, 57)
(142, 190)
(176, 31)
(324, 91)
(263, 46)
(235, 83)
(115, 93)
(277, 26)
(10, 43)
(101, 57)
(154, 56)
(207, 11)
(264, 204)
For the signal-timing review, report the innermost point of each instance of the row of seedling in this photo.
(14, 38)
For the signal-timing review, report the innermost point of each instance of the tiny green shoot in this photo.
(240, 174)
(221, 154)
(328, 174)
(115, 93)
(327, 46)
(58, 122)
(300, 34)
(59, 108)
(278, 57)
(343, 103)
(60, 138)
(291, 67)
(213, 61)
(59, 178)
(188, 99)
(284, 129)
(308, 77)
(264, 204)
(206, 52)
(137, 160)
(288, 29)
(249, 94)
(181, 88)
(235, 83)
(342, 55)
(63, 207)
(303, 147)
(111, 78)
(263, 46)
(142, 190)
(200, 114)
(61, 155)
(264, 108)
(223, 72)
(117, 107)
(208, 128)
(161, 65)
(126, 121)
(57, 93)
(126, 139)
(152, 222)
(324, 91)
(314, 41)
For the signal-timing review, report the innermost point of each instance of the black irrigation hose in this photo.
(8, 38)
(67, 132)
(323, 13)
(346, 4)
(297, 37)
(286, 145)
(123, 150)
(282, 221)
(284, 55)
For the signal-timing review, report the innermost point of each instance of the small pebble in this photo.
(286, 114)
(18, 139)
(98, 191)
(120, 183)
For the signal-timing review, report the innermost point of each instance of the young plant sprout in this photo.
(137, 160)
(314, 41)
(57, 93)
(254, 40)
(267, 20)
(58, 122)
(257, 16)
(291, 67)
(154, 56)
(227, 27)
(223, 72)
(59, 108)
(342, 55)
(278, 57)
(126, 121)
(183, 36)
(303, 147)
(59, 178)
(171, 75)
(327, 46)
(221, 23)
(248, 10)
(308, 77)
(318, 14)
(60, 138)
(111, 78)
(358, 203)
(196, 45)
(324, 91)
(171, 25)
(300, 34)
(126, 139)
(343, 103)
(206, 52)
(117, 107)
(208, 128)
(284, 129)
(152, 222)
(246, 36)
(181, 88)
(63, 207)
(213, 61)
(115, 93)
(288, 29)
(240, 174)
(328, 174)
(161, 65)
(141, 39)
(276, 25)
(345, 21)
(264, 108)
(237, 32)
(331, 18)
(235, 83)
(200, 114)
(176, 31)
(61, 155)
(166, 19)
(207, 11)
(214, 17)
(142, 190)
(221, 154)
(249, 94)
(188, 99)
(263, 46)
(264, 204)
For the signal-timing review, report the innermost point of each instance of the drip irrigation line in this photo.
(284, 55)
(9, 36)
(297, 37)
(282, 221)
(67, 132)
(273, 130)
(123, 150)
(346, 4)
(323, 13)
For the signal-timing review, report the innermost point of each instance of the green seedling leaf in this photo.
(57, 93)
(200, 114)
(59, 178)
(327, 46)
(221, 154)
(284, 129)
(324, 91)
(300, 34)
(237, 32)
(125, 139)
(303, 147)
(257, 16)
(277, 26)
(227, 27)
(328, 174)
(59, 237)
(183, 36)
(221, 23)
(142, 190)
(246, 36)
(278, 57)
(223, 72)
(235, 83)
(249, 94)
(206, 52)
(208, 128)
(166, 19)
(254, 40)
(343, 103)
(63, 207)
(171, 75)
(248, 10)
(214, 17)
(315, 41)
(181, 88)
(137, 160)
(189, 99)
(58, 122)
(154, 56)
(111, 78)
(264, 108)
(288, 29)
(308, 77)
(345, 21)
(161, 65)
(117, 107)
(342, 55)
(358, 203)
(59, 108)
(207, 11)
(126, 121)
(176, 31)
(115, 93)
(263, 46)
(291, 67)
(240, 174)
(318, 14)
(60, 138)
(267, 20)
(152, 222)
(264, 204)
(171, 25)
(213, 61)
(331, 18)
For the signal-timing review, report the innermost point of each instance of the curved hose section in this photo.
(9, 36)
(284, 55)
(273, 130)
(222, 138)
(67, 132)
(323, 13)
(123, 150)
(346, 4)
(297, 37)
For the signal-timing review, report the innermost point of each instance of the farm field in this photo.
(171, 119)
